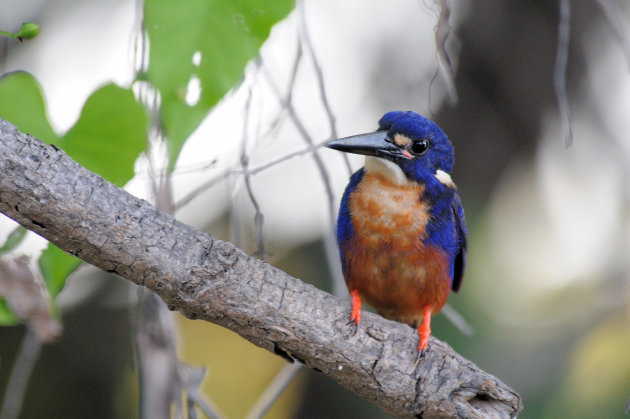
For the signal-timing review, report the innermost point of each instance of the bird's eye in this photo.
(420, 147)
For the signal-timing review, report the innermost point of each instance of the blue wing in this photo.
(344, 220)
(461, 234)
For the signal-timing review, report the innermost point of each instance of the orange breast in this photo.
(385, 259)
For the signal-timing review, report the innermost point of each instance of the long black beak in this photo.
(372, 144)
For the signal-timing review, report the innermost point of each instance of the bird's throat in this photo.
(386, 168)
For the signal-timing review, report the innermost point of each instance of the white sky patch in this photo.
(196, 58)
(193, 90)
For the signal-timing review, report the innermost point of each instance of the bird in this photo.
(401, 230)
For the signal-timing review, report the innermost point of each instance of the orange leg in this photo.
(424, 330)
(356, 307)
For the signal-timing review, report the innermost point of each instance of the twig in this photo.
(157, 359)
(445, 67)
(246, 171)
(226, 173)
(559, 73)
(289, 94)
(192, 378)
(274, 390)
(258, 217)
(297, 122)
(319, 74)
(309, 149)
(458, 320)
(204, 186)
(330, 245)
(617, 24)
(20, 375)
(292, 76)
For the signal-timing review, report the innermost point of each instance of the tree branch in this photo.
(205, 278)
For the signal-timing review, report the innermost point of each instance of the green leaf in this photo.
(109, 135)
(29, 30)
(7, 318)
(107, 139)
(56, 265)
(14, 239)
(22, 104)
(226, 33)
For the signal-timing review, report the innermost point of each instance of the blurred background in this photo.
(547, 284)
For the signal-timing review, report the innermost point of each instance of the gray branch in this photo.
(204, 278)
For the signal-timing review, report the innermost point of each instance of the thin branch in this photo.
(274, 390)
(199, 189)
(226, 173)
(319, 74)
(330, 245)
(445, 67)
(193, 168)
(192, 378)
(246, 171)
(290, 86)
(22, 291)
(559, 73)
(258, 217)
(309, 149)
(293, 75)
(617, 24)
(458, 320)
(299, 125)
(20, 375)
(157, 358)
(205, 278)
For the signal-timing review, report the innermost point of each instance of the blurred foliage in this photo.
(111, 131)
(28, 30)
(107, 139)
(207, 40)
(56, 265)
(14, 239)
(598, 376)
(6, 315)
(26, 109)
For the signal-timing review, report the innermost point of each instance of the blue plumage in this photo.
(401, 229)
(344, 220)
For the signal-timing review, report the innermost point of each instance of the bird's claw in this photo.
(419, 355)
(356, 326)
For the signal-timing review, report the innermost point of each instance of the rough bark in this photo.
(205, 278)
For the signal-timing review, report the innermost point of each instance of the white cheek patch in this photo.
(387, 168)
(444, 178)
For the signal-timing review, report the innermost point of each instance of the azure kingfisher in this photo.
(401, 229)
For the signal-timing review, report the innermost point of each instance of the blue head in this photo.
(414, 143)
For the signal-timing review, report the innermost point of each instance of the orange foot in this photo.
(424, 330)
(355, 315)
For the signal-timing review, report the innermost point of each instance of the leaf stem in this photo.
(10, 34)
